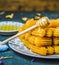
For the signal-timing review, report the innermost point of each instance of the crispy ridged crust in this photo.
(56, 41)
(48, 50)
(38, 50)
(39, 40)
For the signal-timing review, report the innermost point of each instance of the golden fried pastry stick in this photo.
(23, 35)
(49, 32)
(56, 49)
(56, 41)
(38, 41)
(44, 21)
(28, 24)
(54, 23)
(42, 41)
(39, 32)
(49, 50)
(27, 35)
(38, 50)
(31, 39)
(56, 32)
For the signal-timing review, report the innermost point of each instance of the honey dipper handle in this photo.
(18, 34)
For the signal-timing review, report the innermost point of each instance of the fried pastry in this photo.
(53, 23)
(38, 41)
(38, 50)
(39, 32)
(56, 48)
(56, 41)
(50, 50)
(56, 32)
(41, 41)
(27, 35)
(31, 39)
(29, 23)
(49, 32)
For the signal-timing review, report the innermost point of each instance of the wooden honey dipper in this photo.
(42, 22)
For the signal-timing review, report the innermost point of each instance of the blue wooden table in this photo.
(19, 59)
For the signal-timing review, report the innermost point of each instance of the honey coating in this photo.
(43, 41)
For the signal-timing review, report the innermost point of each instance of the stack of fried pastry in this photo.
(43, 41)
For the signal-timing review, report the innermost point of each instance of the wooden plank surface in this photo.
(29, 5)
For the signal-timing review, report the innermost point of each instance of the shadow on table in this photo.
(39, 60)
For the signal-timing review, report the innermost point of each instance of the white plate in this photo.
(19, 47)
(11, 32)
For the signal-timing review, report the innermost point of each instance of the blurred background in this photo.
(29, 5)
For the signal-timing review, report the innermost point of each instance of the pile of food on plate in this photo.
(43, 41)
